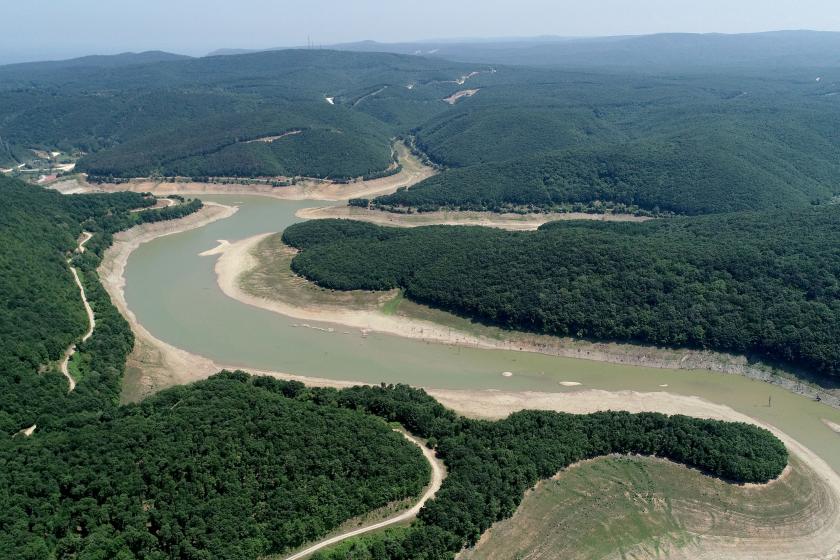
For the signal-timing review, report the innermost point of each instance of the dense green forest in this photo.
(193, 116)
(530, 139)
(320, 141)
(684, 145)
(219, 469)
(682, 175)
(205, 480)
(41, 311)
(765, 283)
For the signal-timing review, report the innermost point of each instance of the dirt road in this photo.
(68, 354)
(438, 474)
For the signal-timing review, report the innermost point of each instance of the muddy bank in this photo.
(154, 364)
(413, 171)
(509, 221)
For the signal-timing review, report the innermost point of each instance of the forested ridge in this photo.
(41, 312)
(530, 140)
(609, 142)
(238, 467)
(764, 283)
(675, 175)
(491, 464)
(220, 469)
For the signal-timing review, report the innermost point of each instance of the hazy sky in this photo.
(67, 28)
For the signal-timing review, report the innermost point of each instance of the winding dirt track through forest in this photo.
(438, 474)
(71, 350)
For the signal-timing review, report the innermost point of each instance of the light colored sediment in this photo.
(271, 139)
(438, 474)
(238, 258)
(458, 95)
(832, 425)
(26, 432)
(162, 364)
(820, 538)
(413, 172)
(219, 250)
(509, 221)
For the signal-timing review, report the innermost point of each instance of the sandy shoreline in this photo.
(413, 172)
(162, 365)
(237, 258)
(509, 221)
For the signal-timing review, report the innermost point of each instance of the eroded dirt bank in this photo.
(816, 536)
(413, 171)
(509, 221)
(154, 364)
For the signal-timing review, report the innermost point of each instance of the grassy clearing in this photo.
(393, 304)
(647, 507)
(273, 279)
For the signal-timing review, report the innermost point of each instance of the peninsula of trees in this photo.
(763, 283)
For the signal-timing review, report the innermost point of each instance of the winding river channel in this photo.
(174, 294)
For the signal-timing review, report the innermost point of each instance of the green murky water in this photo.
(174, 294)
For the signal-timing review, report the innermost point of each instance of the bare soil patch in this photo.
(413, 171)
(509, 221)
(458, 95)
(811, 531)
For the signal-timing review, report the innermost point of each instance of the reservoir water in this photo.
(174, 294)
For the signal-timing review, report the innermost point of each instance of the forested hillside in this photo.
(680, 175)
(182, 475)
(757, 283)
(220, 469)
(684, 145)
(304, 139)
(194, 116)
(237, 467)
(41, 311)
(527, 139)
